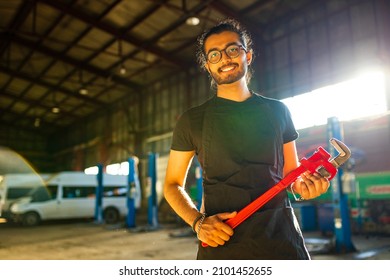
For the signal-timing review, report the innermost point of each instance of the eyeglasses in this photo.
(231, 51)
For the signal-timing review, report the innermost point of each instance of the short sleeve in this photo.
(182, 137)
(289, 133)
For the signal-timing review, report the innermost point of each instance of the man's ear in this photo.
(249, 57)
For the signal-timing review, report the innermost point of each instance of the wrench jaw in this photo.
(323, 172)
(344, 153)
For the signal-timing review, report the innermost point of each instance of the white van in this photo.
(15, 186)
(71, 195)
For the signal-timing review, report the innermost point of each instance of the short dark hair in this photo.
(225, 25)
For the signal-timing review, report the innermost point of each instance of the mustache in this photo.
(227, 65)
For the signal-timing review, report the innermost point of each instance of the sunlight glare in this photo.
(357, 98)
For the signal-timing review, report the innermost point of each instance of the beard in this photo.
(221, 78)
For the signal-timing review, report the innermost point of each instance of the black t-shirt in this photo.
(188, 131)
(187, 134)
(237, 143)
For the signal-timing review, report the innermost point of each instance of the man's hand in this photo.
(310, 186)
(214, 231)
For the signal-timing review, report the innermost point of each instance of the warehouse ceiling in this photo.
(63, 60)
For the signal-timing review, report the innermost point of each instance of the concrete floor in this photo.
(374, 247)
(86, 240)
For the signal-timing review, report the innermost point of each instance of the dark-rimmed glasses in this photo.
(231, 51)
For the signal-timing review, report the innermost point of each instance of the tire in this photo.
(31, 219)
(111, 215)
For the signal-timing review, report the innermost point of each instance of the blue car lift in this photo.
(99, 196)
(342, 226)
(152, 188)
(199, 184)
(132, 179)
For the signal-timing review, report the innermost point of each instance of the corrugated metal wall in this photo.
(321, 46)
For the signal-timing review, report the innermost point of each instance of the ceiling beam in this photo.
(114, 31)
(31, 101)
(182, 19)
(45, 84)
(195, 10)
(256, 5)
(72, 72)
(74, 62)
(17, 21)
(26, 60)
(255, 29)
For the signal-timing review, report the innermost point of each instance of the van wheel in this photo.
(31, 219)
(111, 215)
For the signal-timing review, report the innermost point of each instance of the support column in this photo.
(99, 195)
(342, 225)
(152, 185)
(131, 190)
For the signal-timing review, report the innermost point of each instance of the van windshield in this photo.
(17, 192)
(39, 194)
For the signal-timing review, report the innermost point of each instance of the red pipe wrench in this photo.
(319, 162)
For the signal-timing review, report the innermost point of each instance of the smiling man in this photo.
(245, 144)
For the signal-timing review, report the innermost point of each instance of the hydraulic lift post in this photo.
(152, 188)
(199, 184)
(99, 195)
(342, 226)
(131, 189)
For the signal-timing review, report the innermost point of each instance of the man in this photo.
(245, 144)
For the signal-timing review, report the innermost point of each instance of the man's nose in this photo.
(224, 56)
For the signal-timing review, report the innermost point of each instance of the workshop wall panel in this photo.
(333, 43)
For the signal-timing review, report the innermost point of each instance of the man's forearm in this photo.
(181, 203)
